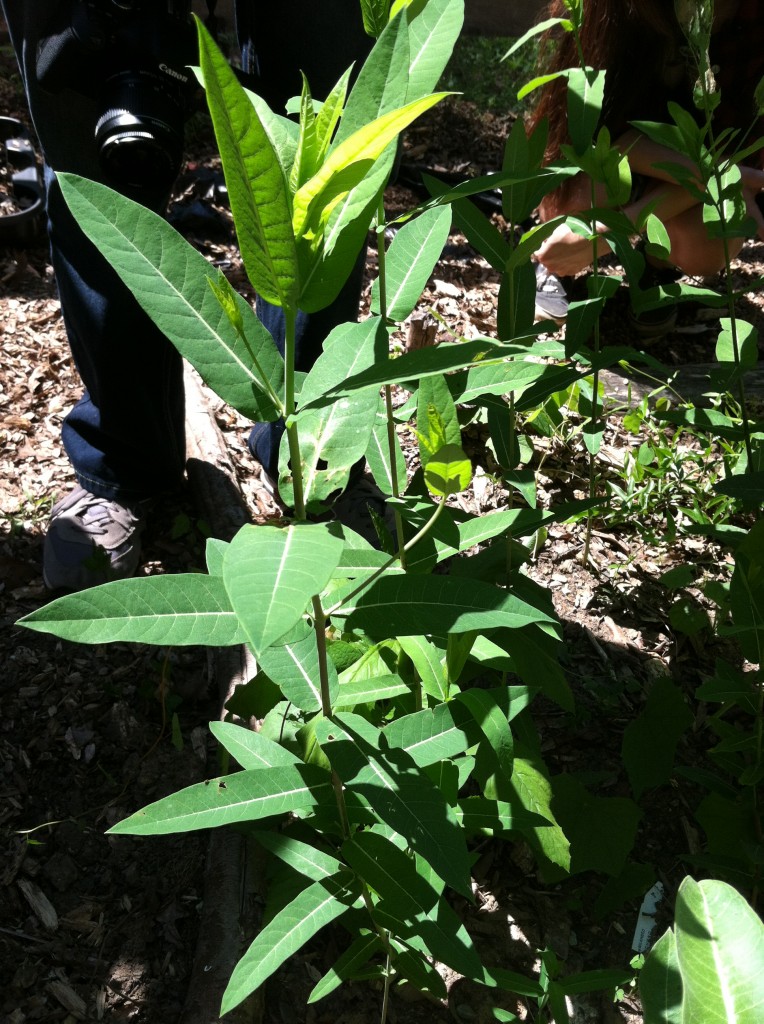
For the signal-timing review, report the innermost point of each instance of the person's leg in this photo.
(125, 438)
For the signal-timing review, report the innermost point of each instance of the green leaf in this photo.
(415, 365)
(434, 27)
(448, 471)
(660, 983)
(586, 89)
(358, 953)
(391, 873)
(428, 662)
(479, 814)
(410, 261)
(244, 796)
(650, 741)
(434, 734)
(412, 605)
(302, 857)
(251, 749)
(170, 281)
(747, 343)
(440, 934)
(294, 667)
(367, 691)
(334, 437)
(272, 572)
(402, 796)
(257, 189)
(310, 911)
(437, 420)
(601, 830)
(176, 610)
(378, 454)
(346, 165)
(720, 950)
(494, 726)
(534, 792)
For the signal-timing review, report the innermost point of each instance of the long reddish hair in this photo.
(631, 39)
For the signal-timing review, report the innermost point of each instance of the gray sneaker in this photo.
(91, 540)
(551, 298)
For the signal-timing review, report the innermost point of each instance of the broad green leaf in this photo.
(271, 573)
(170, 281)
(379, 88)
(585, 93)
(367, 691)
(329, 115)
(334, 437)
(391, 873)
(410, 261)
(257, 189)
(303, 857)
(347, 350)
(650, 741)
(214, 552)
(720, 951)
(534, 792)
(175, 610)
(403, 797)
(437, 420)
(448, 471)
(747, 343)
(494, 726)
(521, 154)
(434, 734)
(478, 814)
(356, 956)
(434, 27)
(251, 749)
(347, 164)
(282, 131)
(660, 983)
(428, 662)
(244, 796)
(410, 606)
(294, 667)
(601, 830)
(441, 934)
(414, 365)
(375, 16)
(310, 911)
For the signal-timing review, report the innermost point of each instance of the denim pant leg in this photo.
(126, 436)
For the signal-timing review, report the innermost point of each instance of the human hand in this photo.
(565, 253)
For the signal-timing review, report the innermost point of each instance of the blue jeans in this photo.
(125, 437)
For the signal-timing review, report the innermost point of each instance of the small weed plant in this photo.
(394, 682)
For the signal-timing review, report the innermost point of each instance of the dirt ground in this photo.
(104, 928)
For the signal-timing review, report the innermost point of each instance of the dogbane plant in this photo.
(377, 760)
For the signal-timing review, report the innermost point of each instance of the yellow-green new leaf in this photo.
(347, 164)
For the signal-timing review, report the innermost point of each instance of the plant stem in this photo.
(595, 397)
(386, 992)
(295, 461)
(391, 439)
(391, 560)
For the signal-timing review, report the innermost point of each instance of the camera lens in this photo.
(140, 134)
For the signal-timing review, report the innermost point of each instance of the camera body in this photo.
(131, 57)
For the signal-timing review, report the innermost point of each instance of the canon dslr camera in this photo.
(131, 57)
